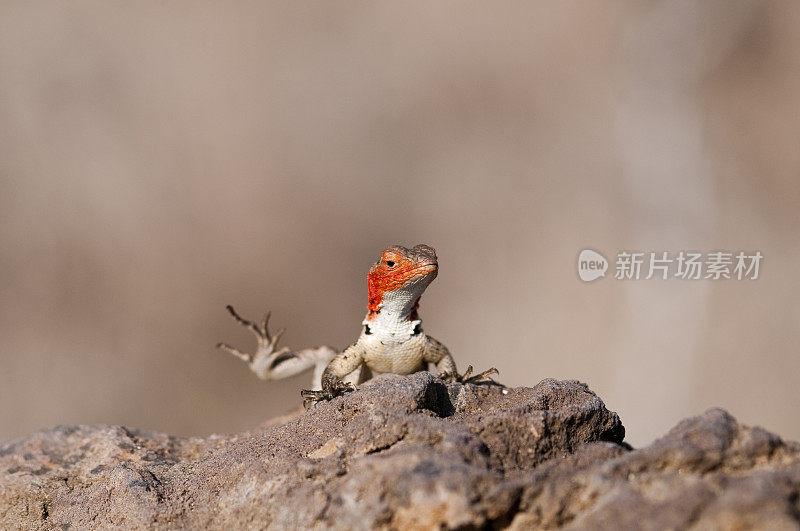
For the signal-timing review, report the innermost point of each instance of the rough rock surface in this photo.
(410, 452)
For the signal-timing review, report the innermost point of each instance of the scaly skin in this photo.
(391, 340)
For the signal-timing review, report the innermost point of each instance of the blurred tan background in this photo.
(159, 160)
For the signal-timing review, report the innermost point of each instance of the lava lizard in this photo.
(391, 340)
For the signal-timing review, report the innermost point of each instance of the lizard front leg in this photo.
(340, 366)
(270, 363)
(435, 352)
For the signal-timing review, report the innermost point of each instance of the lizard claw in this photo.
(263, 360)
(260, 330)
(312, 396)
(482, 377)
(468, 377)
(449, 377)
(236, 352)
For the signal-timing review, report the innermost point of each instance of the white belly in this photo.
(394, 356)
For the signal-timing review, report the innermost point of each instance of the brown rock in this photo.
(409, 452)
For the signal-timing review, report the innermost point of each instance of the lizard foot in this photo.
(312, 396)
(266, 354)
(482, 377)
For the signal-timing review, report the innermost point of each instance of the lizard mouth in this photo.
(415, 280)
(424, 269)
(425, 265)
(410, 277)
(420, 273)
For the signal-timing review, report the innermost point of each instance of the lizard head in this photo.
(396, 281)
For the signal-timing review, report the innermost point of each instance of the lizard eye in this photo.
(389, 263)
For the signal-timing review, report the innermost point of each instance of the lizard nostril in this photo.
(389, 263)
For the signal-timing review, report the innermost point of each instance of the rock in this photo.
(409, 452)
(708, 472)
